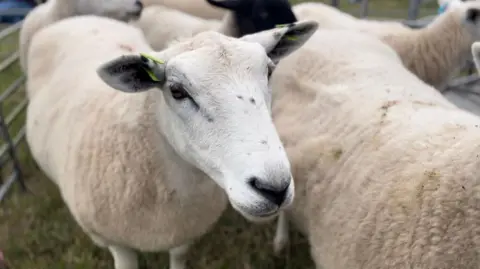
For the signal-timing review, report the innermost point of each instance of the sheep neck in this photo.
(450, 33)
(62, 9)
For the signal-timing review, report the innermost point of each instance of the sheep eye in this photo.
(178, 91)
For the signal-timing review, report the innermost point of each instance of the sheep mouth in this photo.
(264, 213)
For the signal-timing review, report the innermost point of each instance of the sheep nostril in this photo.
(275, 194)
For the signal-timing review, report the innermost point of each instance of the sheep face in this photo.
(123, 10)
(214, 110)
(253, 16)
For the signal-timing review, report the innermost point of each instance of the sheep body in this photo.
(81, 155)
(131, 174)
(55, 10)
(197, 8)
(385, 168)
(434, 53)
(330, 17)
(162, 25)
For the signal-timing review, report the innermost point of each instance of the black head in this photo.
(253, 16)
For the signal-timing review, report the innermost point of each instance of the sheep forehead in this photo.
(214, 50)
(225, 64)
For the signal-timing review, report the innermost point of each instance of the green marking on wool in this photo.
(280, 25)
(152, 58)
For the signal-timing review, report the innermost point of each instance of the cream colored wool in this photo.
(55, 10)
(385, 168)
(162, 25)
(198, 8)
(330, 17)
(434, 53)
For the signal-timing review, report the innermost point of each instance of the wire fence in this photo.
(464, 89)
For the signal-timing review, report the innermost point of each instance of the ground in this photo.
(37, 231)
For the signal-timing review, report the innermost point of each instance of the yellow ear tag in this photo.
(152, 58)
(291, 38)
(280, 25)
(149, 72)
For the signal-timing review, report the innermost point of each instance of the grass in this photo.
(37, 231)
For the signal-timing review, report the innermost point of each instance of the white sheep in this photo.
(152, 170)
(331, 17)
(385, 168)
(162, 25)
(55, 10)
(434, 53)
(198, 8)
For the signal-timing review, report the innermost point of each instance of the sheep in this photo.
(434, 53)
(385, 168)
(330, 17)
(154, 170)
(55, 10)
(198, 8)
(162, 25)
(475, 50)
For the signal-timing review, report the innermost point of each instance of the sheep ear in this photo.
(133, 73)
(228, 4)
(284, 39)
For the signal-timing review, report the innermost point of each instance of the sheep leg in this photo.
(178, 257)
(281, 234)
(124, 258)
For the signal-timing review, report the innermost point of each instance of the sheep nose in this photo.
(274, 193)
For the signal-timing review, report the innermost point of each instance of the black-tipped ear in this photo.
(132, 73)
(228, 4)
(285, 39)
(472, 15)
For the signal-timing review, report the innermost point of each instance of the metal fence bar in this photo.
(15, 12)
(15, 112)
(12, 88)
(9, 61)
(364, 9)
(10, 30)
(16, 173)
(6, 186)
(16, 140)
(8, 151)
(413, 9)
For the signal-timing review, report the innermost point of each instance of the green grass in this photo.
(37, 231)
